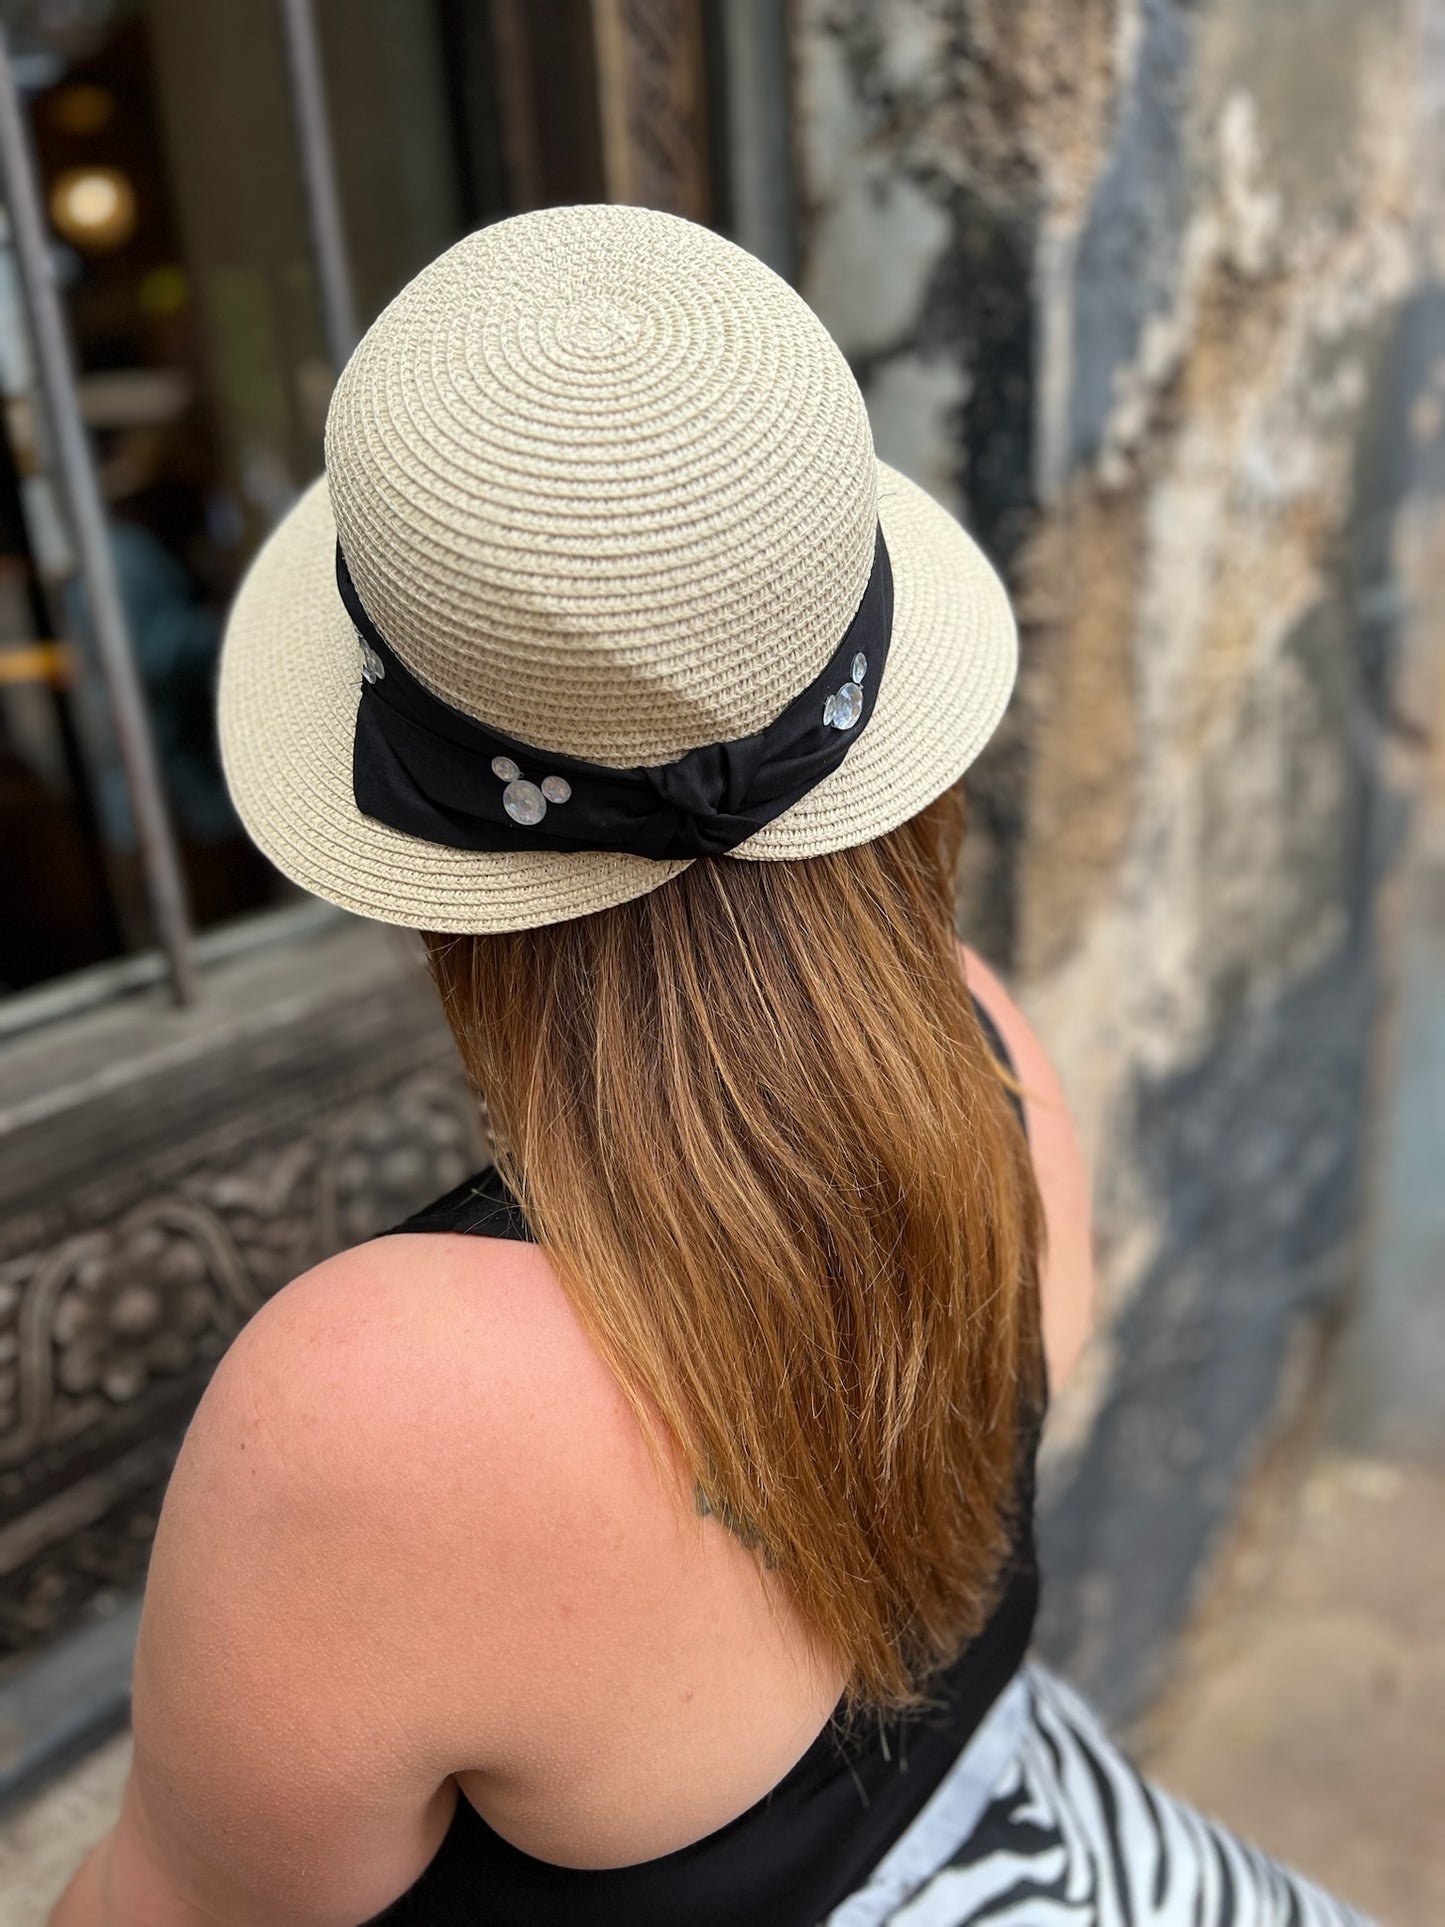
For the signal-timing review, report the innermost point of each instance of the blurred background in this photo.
(1152, 294)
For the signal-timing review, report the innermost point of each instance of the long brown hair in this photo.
(753, 1118)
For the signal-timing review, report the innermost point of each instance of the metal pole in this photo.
(159, 858)
(318, 178)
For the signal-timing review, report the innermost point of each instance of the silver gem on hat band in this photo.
(526, 803)
(431, 771)
(844, 706)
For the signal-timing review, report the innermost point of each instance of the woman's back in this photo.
(666, 1682)
(416, 1486)
(680, 1687)
(607, 1676)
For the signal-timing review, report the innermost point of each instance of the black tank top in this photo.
(805, 1846)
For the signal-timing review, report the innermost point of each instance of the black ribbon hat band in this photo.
(434, 772)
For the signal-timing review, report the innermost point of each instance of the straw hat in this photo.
(603, 483)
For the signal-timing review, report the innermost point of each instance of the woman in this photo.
(642, 1533)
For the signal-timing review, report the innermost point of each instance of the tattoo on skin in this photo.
(746, 1535)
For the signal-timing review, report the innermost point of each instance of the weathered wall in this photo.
(1144, 290)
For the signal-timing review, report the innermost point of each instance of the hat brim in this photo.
(290, 684)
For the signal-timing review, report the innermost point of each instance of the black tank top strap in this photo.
(999, 1050)
(479, 1207)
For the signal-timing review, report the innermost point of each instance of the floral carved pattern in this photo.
(115, 1314)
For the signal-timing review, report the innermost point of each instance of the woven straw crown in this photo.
(603, 482)
(622, 505)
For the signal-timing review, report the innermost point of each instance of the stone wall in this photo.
(1146, 291)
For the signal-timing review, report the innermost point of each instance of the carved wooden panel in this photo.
(91, 1324)
(160, 1178)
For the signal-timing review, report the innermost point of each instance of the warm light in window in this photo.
(94, 207)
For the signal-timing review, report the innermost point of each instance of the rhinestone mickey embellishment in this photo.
(526, 802)
(372, 667)
(843, 708)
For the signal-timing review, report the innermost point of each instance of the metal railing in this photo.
(75, 465)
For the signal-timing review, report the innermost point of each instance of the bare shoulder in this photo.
(1067, 1283)
(395, 1340)
(361, 1520)
(413, 1380)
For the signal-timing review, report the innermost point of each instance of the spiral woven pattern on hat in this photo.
(603, 480)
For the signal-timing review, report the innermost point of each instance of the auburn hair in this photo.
(753, 1118)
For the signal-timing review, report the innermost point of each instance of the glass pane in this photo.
(183, 517)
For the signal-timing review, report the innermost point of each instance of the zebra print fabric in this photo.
(1043, 1823)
